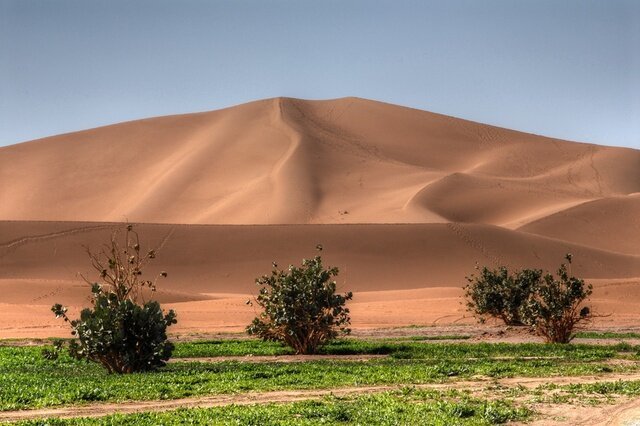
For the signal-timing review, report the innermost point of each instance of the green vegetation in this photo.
(228, 347)
(493, 405)
(555, 307)
(300, 307)
(606, 335)
(405, 406)
(499, 294)
(435, 337)
(552, 306)
(37, 382)
(407, 349)
(120, 331)
(408, 406)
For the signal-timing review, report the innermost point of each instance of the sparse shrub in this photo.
(555, 308)
(121, 331)
(498, 294)
(301, 307)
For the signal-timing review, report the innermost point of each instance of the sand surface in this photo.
(405, 202)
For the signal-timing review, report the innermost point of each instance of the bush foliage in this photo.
(121, 331)
(300, 306)
(554, 307)
(498, 294)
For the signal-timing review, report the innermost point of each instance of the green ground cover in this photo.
(409, 349)
(606, 335)
(36, 382)
(407, 407)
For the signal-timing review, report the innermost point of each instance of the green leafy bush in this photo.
(301, 307)
(121, 331)
(498, 294)
(556, 307)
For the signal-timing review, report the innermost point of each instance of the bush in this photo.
(556, 308)
(498, 294)
(121, 331)
(553, 307)
(301, 307)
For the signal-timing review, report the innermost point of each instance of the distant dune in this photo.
(404, 201)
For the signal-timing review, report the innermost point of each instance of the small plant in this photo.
(555, 309)
(121, 331)
(498, 294)
(52, 354)
(301, 307)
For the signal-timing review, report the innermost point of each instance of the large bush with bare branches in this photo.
(300, 306)
(122, 331)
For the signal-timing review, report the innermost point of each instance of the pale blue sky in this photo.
(569, 69)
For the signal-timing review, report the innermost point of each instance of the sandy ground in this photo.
(425, 311)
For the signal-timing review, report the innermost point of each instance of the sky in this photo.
(568, 69)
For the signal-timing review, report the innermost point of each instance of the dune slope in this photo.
(290, 161)
(225, 259)
(608, 223)
(404, 201)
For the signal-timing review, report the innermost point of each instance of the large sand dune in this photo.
(404, 201)
(291, 161)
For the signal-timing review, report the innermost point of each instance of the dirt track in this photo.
(624, 414)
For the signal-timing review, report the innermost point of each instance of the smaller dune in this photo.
(611, 223)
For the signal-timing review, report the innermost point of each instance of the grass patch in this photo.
(606, 335)
(36, 382)
(434, 337)
(388, 408)
(411, 349)
(225, 347)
